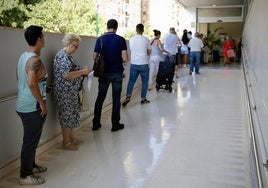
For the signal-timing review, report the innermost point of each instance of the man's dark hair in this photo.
(112, 24)
(32, 33)
(139, 28)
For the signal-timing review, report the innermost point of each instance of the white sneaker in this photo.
(31, 180)
(184, 65)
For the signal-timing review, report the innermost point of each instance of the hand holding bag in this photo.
(230, 53)
(83, 100)
(99, 64)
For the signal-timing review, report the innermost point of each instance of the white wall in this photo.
(255, 56)
(12, 45)
(163, 15)
(188, 20)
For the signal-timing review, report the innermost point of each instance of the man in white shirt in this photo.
(195, 46)
(140, 49)
(171, 42)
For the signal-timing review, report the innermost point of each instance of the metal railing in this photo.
(252, 130)
(4, 99)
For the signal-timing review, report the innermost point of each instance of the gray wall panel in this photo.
(12, 45)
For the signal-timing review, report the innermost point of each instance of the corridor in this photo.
(194, 137)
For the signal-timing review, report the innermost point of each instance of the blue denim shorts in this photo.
(184, 50)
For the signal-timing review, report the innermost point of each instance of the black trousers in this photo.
(32, 129)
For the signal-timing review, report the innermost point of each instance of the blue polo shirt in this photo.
(112, 47)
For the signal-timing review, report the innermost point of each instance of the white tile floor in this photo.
(196, 136)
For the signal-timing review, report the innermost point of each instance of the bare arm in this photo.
(76, 74)
(95, 54)
(149, 51)
(161, 48)
(35, 70)
(125, 56)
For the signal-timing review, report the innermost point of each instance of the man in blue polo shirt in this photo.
(113, 48)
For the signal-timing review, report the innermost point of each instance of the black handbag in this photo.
(99, 64)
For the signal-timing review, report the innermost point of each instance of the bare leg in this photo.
(225, 61)
(66, 135)
(184, 60)
(72, 134)
(176, 71)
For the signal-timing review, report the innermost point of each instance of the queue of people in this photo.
(68, 78)
(69, 75)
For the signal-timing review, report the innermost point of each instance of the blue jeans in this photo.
(171, 59)
(195, 61)
(116, 80)
(135, 71)
(32, 130)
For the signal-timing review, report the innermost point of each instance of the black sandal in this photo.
(145, 101)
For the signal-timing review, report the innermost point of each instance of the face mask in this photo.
(189, 36)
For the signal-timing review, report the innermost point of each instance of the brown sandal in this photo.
(69, 146)
(77, 141)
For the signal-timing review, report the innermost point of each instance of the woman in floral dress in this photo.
(68, 76)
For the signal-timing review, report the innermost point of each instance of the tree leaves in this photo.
(66, 16)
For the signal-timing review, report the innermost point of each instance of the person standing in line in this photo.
(189, 35)
(113, 49)
(68, 76)
(227, 45)
(140, 49)
(206, 50)
(201, 36)
(31, 104)
(171, 42)
(184, 48)
(195, 46)
(155, 57)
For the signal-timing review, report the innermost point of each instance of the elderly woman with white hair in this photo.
(68, 76)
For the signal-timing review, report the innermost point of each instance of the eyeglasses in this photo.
(75, 45)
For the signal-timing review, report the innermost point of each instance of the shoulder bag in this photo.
(99, 64)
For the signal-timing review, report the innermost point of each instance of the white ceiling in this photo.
(200, 3)
(211, 11)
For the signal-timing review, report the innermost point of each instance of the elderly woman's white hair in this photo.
(69, 38)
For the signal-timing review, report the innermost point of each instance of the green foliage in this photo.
(147, 33)
(66, 16)
(130, 34)
(214, 41)
(13, 13)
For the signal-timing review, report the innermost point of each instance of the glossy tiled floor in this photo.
(196, 136)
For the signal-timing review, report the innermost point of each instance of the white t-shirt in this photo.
(171, 42)
(195, 44)
(138, 46)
